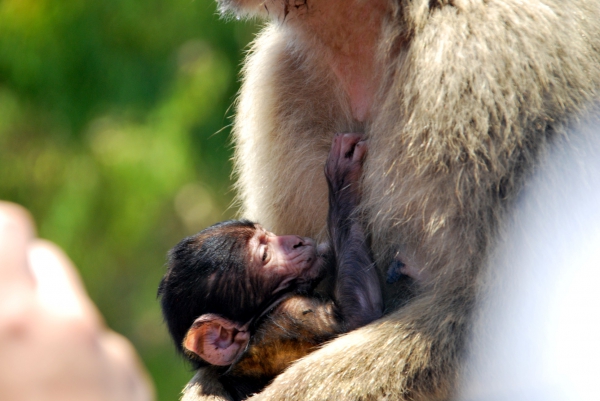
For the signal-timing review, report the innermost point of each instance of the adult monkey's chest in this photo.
(324, 62)
(346, 36)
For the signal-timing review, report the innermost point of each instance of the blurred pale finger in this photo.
(16, 231)
(58, 286)
(137, 385)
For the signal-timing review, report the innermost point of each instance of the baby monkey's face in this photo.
(283, 259)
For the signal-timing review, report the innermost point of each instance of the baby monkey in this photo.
(240, 298)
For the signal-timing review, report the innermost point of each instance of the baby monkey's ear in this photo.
(216, 339)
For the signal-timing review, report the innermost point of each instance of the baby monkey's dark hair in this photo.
(197, 267)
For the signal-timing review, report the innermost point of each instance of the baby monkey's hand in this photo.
(344, 164)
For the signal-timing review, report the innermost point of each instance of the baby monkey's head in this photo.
(219, 280)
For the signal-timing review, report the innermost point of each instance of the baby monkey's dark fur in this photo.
(211, 273)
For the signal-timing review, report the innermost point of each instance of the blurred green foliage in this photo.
(114, 133)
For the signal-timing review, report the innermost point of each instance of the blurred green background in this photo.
(114, 133)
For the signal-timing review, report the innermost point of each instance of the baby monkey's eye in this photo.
(264, 257)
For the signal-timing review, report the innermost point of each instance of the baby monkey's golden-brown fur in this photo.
(295, 328)
(292, 331)
(458, 99)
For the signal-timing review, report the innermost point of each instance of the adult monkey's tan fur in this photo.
(464, 97)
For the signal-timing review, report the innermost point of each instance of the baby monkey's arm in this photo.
(357, 293)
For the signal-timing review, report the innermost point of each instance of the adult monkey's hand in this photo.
(53, 343)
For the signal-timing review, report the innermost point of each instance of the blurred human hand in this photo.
(53, 342)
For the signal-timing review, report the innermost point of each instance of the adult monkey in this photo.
(458, 99)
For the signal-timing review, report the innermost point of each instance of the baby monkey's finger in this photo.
(349, 142)
(359, 151)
